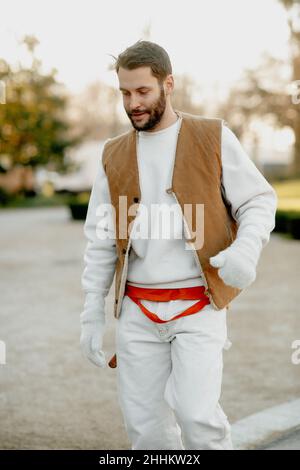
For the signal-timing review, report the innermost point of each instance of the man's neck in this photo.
(169, 118)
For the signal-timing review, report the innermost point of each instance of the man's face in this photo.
(144, 98)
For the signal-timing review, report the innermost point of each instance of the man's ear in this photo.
(169, 84)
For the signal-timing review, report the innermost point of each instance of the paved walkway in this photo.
(267, 427)
(290, 441)
(51, 397)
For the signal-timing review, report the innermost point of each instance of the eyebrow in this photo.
(140, 88)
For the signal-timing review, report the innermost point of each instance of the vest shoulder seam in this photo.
(112, 141)
(199, 117)
(117, 138)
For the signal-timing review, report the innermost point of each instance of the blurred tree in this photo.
(182, 97)
(33, 126)
(94, 112)
(261, 92)
(293, 11)
(266, 91)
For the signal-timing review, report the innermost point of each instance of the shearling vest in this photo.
(196, 180)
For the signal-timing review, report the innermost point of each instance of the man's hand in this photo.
(238, 262)
(92, 321)
(91, 340)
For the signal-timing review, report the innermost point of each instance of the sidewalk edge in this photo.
(266, 426)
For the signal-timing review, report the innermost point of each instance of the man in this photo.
(171, 293)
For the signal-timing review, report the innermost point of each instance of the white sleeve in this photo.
(100, 254)
(252, 200)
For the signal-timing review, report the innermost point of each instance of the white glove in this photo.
(92, 321)
(238, 262)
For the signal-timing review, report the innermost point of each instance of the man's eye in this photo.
(125, 93)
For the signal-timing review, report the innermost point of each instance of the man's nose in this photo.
(134, 103)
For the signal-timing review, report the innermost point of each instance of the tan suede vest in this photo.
(196, 180)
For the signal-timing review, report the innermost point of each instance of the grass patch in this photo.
(21, 201)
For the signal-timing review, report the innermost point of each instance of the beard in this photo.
(155, 113)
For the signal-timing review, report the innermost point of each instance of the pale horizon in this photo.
(213, 42)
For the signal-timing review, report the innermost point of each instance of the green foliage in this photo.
(288, 212)
(23, 201)
(34, 129)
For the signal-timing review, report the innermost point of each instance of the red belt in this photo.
(164, 295)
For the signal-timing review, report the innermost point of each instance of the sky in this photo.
(211, 40)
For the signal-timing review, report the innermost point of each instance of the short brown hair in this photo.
(144, 53)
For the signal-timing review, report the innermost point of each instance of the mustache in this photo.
(138, 112)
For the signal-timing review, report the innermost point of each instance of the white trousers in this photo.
(169, 377)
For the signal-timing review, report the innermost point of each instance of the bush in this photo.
(4, 197)
(294, 226)
(288, 222)
(281, 221)
(78, 205)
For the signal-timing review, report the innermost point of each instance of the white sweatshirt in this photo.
(163, 262)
